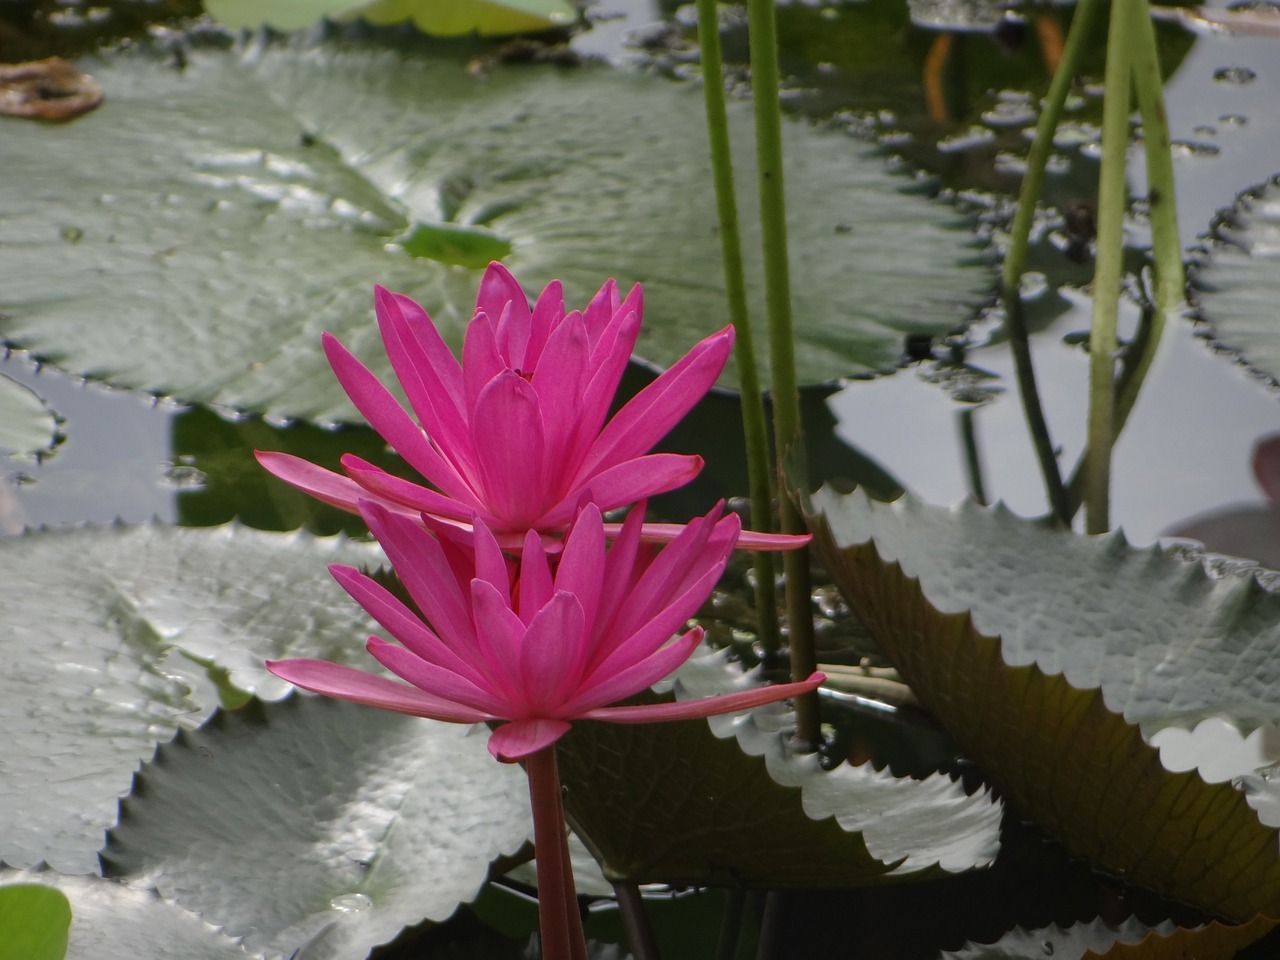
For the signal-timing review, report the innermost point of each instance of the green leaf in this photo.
(34, 920)
(318, 824)
(229, 212)
(1237, 285)
(102, 631)
(1040, 652)
(1060, 943)
(442, 18)
(733, 806)
(27, 426)
(109, 921)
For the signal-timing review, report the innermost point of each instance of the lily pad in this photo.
(27, 426)
(319, 826)
(106, 633)
(441, 18)
(1040, 651)
(34, 920)
(737, 807)
(1238, 283)
(225, 213)
(109, 921)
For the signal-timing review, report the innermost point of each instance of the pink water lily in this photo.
(560, 640)
(516, 434)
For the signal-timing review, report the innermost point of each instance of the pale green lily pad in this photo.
(1060, 943)
(34, 921)
(109, 921)
(1238, 282)
(441, 18)
(27, 425)
(223, 215)
(318, 825)
(712, 797)
(98, 629)
(1039, 651)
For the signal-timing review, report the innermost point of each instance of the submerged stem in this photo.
(559, 922)
(759, 473)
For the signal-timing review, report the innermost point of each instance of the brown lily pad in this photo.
(50, 89)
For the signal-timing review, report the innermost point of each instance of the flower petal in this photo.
(705, 706)
(553, 653)
(332, 488)
(436, 680)
(347, 683)
(535, 577)
(499, 293)
(408, 497)
(628, 482)
(617, 685)
(548, 313)
(582, 561)
(516, 740)
(511, 456)
(651, 414)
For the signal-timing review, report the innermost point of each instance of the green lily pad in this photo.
(1061, 943)
(1237, 283)
(317, 825)
(226, 213)
(441, 18)
(1040, 652)
(110, 921)
(106, 635)
(27, 426)
(713, 793)
(34, 920)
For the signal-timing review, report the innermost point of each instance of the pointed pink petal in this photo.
(548, 313)
(747, 539)
(481, 360)
(499, 288)
(511, 453)
(346, 683)
(602, 308)
(560, 381)
(628, 482)
(651, 414)
(609, 360)
(500, 635)
(516, 740)
(333, 488)
(614, 650)
(401, 622)
(411, 498)
(436, 680)
(490, 562)
(430, 375)
(706, 706)
(553, 653)
(535, 577)
(620, 569)
(582, 562)
(618, 685)
(384, 413)
(423, 568)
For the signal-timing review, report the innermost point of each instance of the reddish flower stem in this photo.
(558, 918)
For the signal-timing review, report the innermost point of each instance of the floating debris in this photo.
(51, 89)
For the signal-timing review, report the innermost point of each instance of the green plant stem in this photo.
(1016, 256)
(755, 429)
(1166, 247)
(1108, 266)
(786, 398)
(559, 923)
(972, 458)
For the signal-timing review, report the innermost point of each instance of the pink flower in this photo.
(516, 434)
(561, 642)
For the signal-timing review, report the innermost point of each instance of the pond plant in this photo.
(547, 613)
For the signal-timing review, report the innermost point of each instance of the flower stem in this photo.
(559, 922)
(762, 31)
(759, 471)
(1108, 269)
